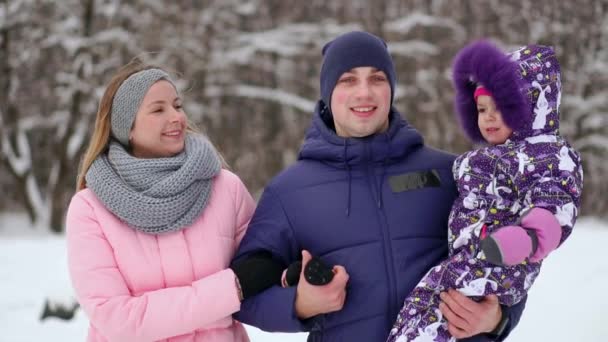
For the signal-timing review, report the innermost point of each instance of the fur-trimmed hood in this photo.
(526, 85)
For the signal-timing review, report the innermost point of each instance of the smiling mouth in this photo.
(173, 133)
(363, 111)
(492, 130)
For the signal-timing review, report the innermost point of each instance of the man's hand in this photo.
(313, 300)
(468, 318)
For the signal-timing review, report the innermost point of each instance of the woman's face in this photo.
(160, 124)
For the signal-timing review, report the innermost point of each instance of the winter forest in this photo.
(249, 73)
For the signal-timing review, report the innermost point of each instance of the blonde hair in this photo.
(100, 138)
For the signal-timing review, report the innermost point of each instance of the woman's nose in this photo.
(177, 115)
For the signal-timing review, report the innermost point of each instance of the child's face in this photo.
(490, 123)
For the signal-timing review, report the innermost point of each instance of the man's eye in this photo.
(347, 80)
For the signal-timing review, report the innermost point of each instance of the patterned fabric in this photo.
(497, 184)
(156, 195)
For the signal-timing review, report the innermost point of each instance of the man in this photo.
(365, 195)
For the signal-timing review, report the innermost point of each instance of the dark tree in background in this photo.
(249, 72)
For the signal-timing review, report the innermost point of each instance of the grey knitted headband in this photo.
(128, 98)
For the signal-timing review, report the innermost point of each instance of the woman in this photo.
(155, 222)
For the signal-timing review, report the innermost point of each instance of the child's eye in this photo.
(178, 106)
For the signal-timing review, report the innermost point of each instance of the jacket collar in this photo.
(323, 144)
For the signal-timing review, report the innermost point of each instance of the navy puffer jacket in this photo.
(377, 206)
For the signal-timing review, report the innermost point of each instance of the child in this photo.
(518, 198)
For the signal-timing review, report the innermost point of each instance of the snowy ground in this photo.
(569, 301)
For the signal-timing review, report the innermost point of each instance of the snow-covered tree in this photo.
(249, 71)
(55, 58)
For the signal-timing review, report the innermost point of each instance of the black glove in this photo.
(257, 272)
(292, 276)
(316, 272)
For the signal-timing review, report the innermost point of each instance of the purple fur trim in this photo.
(482, 62)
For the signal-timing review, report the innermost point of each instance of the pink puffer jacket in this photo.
(170, 287)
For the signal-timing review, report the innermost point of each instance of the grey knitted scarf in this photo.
(156, 195)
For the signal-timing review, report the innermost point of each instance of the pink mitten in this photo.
(509, 245)
(547, 229)
(538, 235)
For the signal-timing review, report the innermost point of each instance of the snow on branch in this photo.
(276, 95)
(77, 138)
(33, 122)
(413, 48)
(406, 24)
(20, 161)
(595, 120)
(73, 42)
(286, 41)
(273, 95)
(14, 13)
(39, 205)
(592, 141)
(579, 106)
(114, 35)
(247, 8)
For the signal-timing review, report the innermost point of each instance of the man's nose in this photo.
(363, 89)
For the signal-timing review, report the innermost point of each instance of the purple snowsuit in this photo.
(497, 184)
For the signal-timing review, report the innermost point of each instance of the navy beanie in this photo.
(352, 50)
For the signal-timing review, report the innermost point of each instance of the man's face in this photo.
(360, 102)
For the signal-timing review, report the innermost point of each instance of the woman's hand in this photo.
(467, 317)
(256, 273)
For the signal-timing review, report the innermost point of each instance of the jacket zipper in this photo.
(386, 242)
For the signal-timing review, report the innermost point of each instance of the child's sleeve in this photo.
(554, 185)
